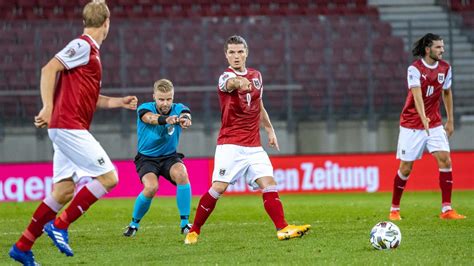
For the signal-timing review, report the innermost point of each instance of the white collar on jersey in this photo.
(95, 43)
(429, 66)
(243, 73)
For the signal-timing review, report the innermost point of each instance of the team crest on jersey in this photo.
(440, 78)
(256, 83)
(222, 172)
(71, 52)
(171, 130)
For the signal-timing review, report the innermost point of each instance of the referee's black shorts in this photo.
(160, 166)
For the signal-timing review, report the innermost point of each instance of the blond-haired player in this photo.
(68, 107)
(159, 126)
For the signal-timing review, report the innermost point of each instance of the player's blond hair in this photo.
(163, 85)
(95, 13)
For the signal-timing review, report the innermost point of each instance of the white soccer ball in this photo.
(385, 235)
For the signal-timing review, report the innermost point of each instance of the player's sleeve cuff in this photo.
(62, 62)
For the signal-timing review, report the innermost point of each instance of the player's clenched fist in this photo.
(130, 102)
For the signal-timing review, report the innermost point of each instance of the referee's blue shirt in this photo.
(158, 140)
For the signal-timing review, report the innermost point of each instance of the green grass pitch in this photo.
(240, 232)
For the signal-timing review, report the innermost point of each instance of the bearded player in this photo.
(429, 81)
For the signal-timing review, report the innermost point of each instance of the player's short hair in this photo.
(235, 39)
(95, 13)
(163, 85)
(425, 41)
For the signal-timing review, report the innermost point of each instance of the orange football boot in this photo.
(292, 231)
(191, 238)
(451, 215)
(394, 216)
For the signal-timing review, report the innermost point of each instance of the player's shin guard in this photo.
(183, 200)
(45, 212)
(206, 205)
(273, 206)
(446, 185)
(87, 196)
(398, 187)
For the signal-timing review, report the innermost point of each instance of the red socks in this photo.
(207, 203)
(274, 208)
(398, 187)
(271, 202)
(87, 196)
(45, 212)
(446, 185)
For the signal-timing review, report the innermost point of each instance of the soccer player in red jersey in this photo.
(429, 79)
(68, 107)
(239, 153)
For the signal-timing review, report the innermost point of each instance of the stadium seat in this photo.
(162, 39)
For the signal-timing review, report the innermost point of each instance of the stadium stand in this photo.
(411, 19)
(331, 48)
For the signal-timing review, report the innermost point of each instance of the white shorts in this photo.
(412, 142)
(77, 154)
(232, 162)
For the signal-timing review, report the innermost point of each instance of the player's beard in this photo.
(164, 110)
(435, 57)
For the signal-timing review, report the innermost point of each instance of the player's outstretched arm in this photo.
(127, 102)
(267, 125)
(238, 83)
(420, 108)
(448, 105)
(156, 119)
(47, 82)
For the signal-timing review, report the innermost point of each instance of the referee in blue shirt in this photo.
(159, 125)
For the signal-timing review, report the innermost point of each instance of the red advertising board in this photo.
(32, 181)
(360, 172)
(294, 174)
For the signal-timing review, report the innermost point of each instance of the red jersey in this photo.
(77, 90)
(432, 80)
(240, 111)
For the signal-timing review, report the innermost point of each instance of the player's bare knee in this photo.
(150, 189)
(179, 174)
(405, 168)
(266, 181)
(68, 197)
(63, 197)
(63, 192)
(405, 171)
(271, 182)
(108, 180)
(111, 182)
(219, 187)
(181, 178)
(444, 162)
